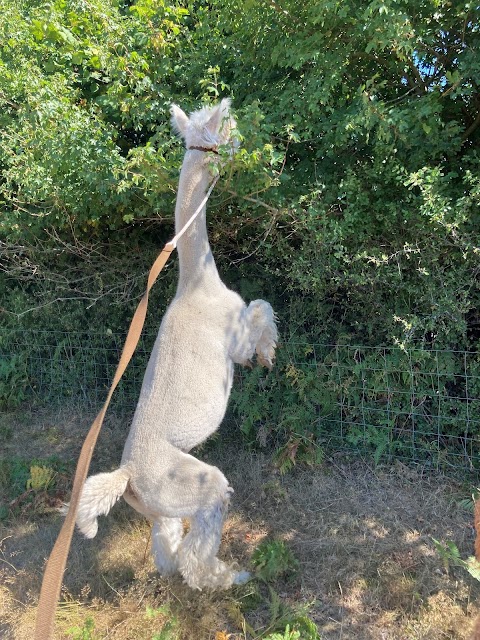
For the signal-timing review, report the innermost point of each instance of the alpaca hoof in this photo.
(266, 362)
(241, 577)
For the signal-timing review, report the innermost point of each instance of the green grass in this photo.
(29, 484)
(273, 559)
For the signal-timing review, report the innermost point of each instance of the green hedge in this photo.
(352, 205)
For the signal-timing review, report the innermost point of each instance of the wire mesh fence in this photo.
(412, 404)
(420, 405)
(54, 366)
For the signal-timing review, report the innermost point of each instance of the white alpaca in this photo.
(206, 329)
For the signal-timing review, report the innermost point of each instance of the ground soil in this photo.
(363, 537)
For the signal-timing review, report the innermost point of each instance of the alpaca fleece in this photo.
(206, 330)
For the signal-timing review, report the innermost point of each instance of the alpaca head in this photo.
(208, 127)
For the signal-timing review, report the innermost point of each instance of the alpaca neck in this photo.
(194, 253)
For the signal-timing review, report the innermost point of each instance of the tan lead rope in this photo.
(55, 567)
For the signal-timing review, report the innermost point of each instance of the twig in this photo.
(14, 105)
(254, 200)
(471, 128)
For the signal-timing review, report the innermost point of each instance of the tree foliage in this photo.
(353, 203)
(359, 167)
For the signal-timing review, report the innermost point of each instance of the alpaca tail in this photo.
(99, 494)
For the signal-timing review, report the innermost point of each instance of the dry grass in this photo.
(368, 568)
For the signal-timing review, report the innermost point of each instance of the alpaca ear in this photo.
(179, 120)
(220, 112)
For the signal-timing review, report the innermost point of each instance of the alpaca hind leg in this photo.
(258, 335)
(167, 534)
(189, 488)
(198, 560)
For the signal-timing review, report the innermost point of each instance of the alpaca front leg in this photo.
(267, 342)
(258, 334)
(167, 534)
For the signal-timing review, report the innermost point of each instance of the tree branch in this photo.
(471, 128)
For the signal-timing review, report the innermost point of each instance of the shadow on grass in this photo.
(362, 538)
